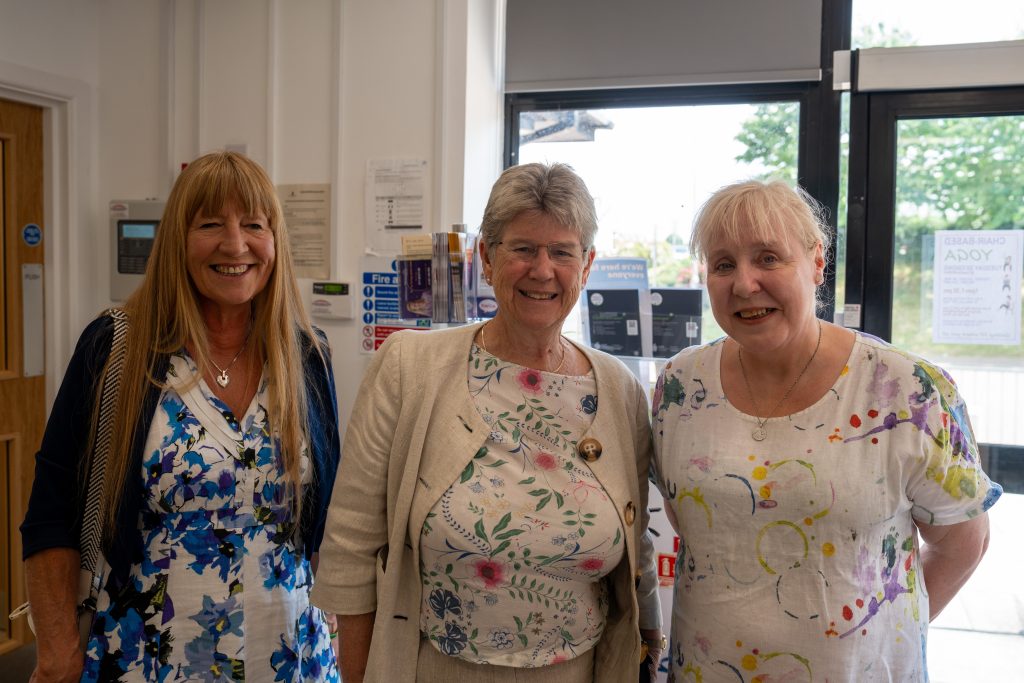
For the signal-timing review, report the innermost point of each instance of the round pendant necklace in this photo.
(760, 433)
(483, 346)
(222, 379)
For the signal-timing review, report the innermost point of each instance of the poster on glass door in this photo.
(977, 286)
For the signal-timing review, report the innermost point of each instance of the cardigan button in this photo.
(590, 449)
(629, 513)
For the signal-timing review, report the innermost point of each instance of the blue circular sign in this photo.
(368, 305)
(32, 234)
(368, 318)
(367, 291)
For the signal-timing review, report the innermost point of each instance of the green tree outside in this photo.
(953, 173)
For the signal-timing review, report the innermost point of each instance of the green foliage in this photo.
(952, 173)
(770, 137)
(880, 35)
(960, 173)
(666, 267)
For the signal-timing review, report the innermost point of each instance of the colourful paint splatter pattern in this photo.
(798, 556)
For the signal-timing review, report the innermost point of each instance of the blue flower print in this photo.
(284, 661)
(502, 639)
(206, 664)
(189, 479)
(443, 601)
(589, 404)
(278, 571)
(454, 640)
(220, 549)
(184, 425)
(218, 618)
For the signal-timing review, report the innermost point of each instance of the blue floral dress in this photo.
(222, 593)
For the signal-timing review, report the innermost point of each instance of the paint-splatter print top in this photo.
(798, 558)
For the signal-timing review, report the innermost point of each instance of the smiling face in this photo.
(230, 256)
(762, 293)
(536, 294)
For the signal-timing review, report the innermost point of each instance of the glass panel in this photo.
(957, 282)
(844, 190)
(650, 169)
(884, 23)
(957, 269)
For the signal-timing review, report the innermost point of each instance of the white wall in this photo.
(313, 88)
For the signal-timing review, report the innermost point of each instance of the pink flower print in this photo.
(545, 461)
(581, 491)
(491, 572)
(592, 564)
(530, 380)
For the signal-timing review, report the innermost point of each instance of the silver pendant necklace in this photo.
(222, 379)
(760, 433)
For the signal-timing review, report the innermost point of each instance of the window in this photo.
(651, 167)
(883, 23)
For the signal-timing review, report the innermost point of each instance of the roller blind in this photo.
(582, 44)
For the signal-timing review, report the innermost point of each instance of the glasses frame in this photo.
(574, 260)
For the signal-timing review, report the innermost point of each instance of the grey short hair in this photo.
(554, 189)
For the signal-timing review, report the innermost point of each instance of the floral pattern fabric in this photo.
(222, 592)
(799, 559)
(514, 553)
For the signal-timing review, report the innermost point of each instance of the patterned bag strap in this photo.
(91, 524)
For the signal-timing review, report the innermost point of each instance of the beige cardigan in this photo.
(413, 428)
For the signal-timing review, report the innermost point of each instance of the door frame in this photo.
(871, 212)
(70, 208)
(70, 204)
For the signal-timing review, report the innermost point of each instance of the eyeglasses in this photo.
(560, 253)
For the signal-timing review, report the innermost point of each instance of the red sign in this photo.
(666, 569)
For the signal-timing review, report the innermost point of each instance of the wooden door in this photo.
(22, 389)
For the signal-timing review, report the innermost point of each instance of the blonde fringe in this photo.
(164, 318)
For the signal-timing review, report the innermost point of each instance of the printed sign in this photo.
(976, 288)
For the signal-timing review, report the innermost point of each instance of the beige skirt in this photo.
(434, 667)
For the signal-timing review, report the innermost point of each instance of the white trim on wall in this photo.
(273, 41)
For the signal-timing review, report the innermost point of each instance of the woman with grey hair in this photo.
(490, 519)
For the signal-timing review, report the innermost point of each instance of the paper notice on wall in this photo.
(307, 212)
(977, 287)
(395, 202)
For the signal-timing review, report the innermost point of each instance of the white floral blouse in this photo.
(514, 552)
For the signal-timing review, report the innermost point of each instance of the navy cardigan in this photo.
(54, 516)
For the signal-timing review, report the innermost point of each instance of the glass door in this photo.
(936, 229)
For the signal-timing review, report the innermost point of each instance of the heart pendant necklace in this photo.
(222, 379)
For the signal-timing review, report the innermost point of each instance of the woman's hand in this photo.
(653, 639)
(52, 592)
(355, 631)
(60, 669)
(332, 628)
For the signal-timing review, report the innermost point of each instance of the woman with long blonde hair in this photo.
(223, 454)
